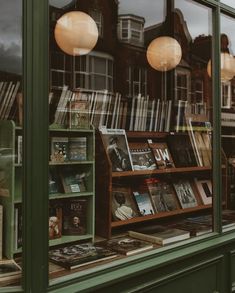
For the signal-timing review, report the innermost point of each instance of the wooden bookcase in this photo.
(105, 226)
(13, 183)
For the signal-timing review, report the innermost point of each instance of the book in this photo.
(74, 220)
(162, 194)
(144, 203)
(161, 236)
(185, 194)
(78, 113)
(195, 229)
(75, 256)
(116, 145)
(77, 149)
(123, 205)
(55, 222)
(8, 268)
(181, 150)
(19, 149)
(54, 181)
(72, 180)
(59, 149)
(127, 245)
(18, 229)
(204, 187)
(162, 155)
(142, 156)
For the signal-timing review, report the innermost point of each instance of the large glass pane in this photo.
(228, 2)
(130, 134)
(228, 120)
(11, 107)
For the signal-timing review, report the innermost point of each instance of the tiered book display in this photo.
(163, 185)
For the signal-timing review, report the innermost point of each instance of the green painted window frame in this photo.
(35, 177)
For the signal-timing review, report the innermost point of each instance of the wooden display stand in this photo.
(105, 226)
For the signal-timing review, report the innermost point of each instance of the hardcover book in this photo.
(142, 156)
(162, 155)
(55, 222)
(127, 245)
(75, 256)
(117, 149)
(204, 188)
(185, 194)
(59, 149)
(144, 203)
(77, 149)
(161, 236)
(74, 217)
(123, 205)
(72, 180)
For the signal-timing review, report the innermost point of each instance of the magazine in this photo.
(185, 194)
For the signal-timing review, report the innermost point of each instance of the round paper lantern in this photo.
(76, 33)
(164, 53)
(227, 65)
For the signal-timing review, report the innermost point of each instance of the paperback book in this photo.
(72, 180)
(142, 156)
(59, 149)
(77, 149)
(55, 222)
(78, 114)
(123, 205)
(144, 203)
(117, 149)
(74, 217)
(75, 256)
(185, 194)
(162, 155)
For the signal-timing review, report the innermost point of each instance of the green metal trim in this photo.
(138, 265)
(216, 85)
(35, 146)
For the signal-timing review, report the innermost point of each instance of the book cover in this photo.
(59, 149)
(142, 156)
(78, 114)
(181, 150)
(117, 149)
(74, 220)
(127, 245)
(123, 205)
(144, 203)
(162, 155)
(54, 181)
(204, 187)
(55, 222)
(185, 194)
(161, 237)
(72, 180)
(74, 256)
(77, 149)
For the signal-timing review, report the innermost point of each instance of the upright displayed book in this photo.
(204, 187)
(117, 149)
(123, 205)
(162, 155)
(78, 113)
(59, 149)
(127, 245)
(144, 203)
(55, 221)
(142, 156)
(77, 148)
(185, 194)
(74, 216)
(54, 181)
(75, 256)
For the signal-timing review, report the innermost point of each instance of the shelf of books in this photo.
(71, 185)
(150, 176)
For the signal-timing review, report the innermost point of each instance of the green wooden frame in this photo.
(35, 177)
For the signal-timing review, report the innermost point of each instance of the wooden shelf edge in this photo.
(160, 171)
(159, 216)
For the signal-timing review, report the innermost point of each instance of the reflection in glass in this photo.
(11, 108)
(227, 123)
(144, 122)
